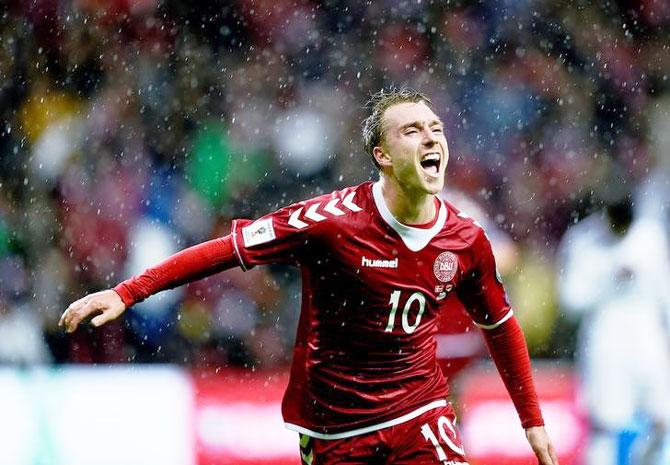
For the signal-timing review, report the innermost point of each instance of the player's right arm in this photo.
(188, 265)
(279, 237)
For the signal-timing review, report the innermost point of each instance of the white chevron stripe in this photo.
(295, 222)
(349, 202)
(312, 214)
(332, 209)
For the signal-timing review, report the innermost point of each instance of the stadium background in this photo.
(133, 128)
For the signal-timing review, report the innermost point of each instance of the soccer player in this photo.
(614, 281)
(378, 261)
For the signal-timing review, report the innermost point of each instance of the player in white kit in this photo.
(615, 276)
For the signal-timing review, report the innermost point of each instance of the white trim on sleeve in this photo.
(237, 251)
(509, 315)
(368, 429)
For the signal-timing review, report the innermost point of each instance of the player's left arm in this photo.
(485, 299)
(508, 349)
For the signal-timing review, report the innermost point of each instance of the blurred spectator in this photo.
(614, 274)
(21, 340)
(151, 320)
(114, 112)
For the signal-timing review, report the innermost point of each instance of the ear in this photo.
(383, 158)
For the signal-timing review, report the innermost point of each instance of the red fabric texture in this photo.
(188, 265)
(510, 354)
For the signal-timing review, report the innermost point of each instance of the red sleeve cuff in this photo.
(125, 295)
(529, 423)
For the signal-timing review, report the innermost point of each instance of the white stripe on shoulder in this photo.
(509, 315)
(368, 429)
(315, 212)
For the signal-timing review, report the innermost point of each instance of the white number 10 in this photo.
(442, 424)
(395, 303)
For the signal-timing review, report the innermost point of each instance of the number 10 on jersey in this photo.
(408, 327)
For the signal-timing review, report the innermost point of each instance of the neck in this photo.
(407, 206)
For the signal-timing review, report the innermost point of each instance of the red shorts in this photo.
(431, 438)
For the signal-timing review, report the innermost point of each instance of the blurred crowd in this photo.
(130, 129)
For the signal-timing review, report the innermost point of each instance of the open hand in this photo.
(105, 305)
(544, 450)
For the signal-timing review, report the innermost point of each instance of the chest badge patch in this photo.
(445, 266)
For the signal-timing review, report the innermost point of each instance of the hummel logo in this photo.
(375, 263)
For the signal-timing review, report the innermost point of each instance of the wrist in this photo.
(533, 430)
(124, 294)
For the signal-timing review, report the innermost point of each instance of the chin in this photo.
(434, 186)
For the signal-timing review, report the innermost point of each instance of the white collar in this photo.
(414, 238)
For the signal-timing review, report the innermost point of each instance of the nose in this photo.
(429, 138)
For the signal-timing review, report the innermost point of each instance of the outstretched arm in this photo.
(188, 265)
(508, 350)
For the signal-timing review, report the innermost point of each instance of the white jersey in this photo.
(620, 287)
(598, 267)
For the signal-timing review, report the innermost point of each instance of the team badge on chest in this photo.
(445, 266)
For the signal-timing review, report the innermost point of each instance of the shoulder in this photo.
(648, 233)
(288, 234)
(588, 232)
(462, 224)
(327, 210)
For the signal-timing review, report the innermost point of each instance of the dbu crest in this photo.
(445, 266)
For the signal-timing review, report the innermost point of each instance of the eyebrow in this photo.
(419, 124)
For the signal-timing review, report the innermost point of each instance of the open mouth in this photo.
(430, 163)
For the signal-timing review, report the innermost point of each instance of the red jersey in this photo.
(372, 289)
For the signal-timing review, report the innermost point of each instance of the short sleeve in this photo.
(482, 292)
(278, 237)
